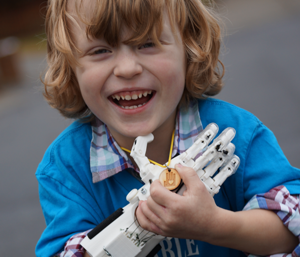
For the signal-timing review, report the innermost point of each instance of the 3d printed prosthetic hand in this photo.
(120, 234)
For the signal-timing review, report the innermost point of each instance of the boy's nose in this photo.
(127, 66)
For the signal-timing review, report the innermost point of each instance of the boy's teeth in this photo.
(132, 107)
(128, 97)
(131, 97)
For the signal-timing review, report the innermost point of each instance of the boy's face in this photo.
(134, 90)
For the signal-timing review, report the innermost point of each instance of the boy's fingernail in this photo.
(179, 165)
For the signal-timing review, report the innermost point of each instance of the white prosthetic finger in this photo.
(138, 152)
(213, 184)
(218, 145)
(140, 144)
(224, 138)
(229, 169)
(221, 158)
(201, 162)
(201, 141)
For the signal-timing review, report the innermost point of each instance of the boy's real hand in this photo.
(192, 215)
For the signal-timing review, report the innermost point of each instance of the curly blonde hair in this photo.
(198, 26)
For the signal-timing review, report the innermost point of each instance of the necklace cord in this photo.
(170, 153)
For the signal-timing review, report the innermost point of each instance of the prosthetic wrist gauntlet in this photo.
(120, 234)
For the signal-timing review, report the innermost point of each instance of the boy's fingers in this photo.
(189, 177)
(161, 195)
(155, 207)
(147, 212)
(164, 197)
(146, 218)
(141, 218)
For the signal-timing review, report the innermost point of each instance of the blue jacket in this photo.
(72, 203)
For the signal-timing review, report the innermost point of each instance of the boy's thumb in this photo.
(188, 175)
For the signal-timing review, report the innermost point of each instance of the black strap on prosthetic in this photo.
(105, 223)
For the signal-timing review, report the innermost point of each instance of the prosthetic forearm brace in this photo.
(120, 234)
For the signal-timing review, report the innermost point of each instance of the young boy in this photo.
(127, 68)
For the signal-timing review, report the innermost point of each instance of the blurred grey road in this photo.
(262, 63)
(27, 127)
(262, 59)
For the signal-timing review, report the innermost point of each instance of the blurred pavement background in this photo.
(261, 54)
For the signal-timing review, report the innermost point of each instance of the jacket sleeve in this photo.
(67, 211)
(266, 166)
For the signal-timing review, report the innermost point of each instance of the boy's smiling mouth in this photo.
(132, 99)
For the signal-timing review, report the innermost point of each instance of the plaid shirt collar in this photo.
(107, 158)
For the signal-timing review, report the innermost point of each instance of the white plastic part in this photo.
(213, 184)
(138, 150)
(121, 247)
(202, 141)
(132, 196)
(219, 144)
(227, 171)
(124, 236)
(224, 138)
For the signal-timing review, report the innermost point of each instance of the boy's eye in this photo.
(100, 51)
(147, 45)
